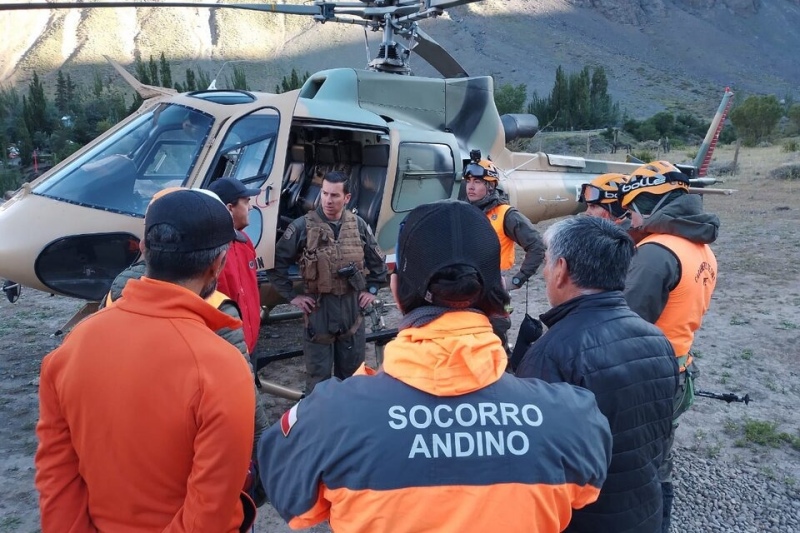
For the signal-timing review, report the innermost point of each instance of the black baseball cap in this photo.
(230, 190)
(201, 220)
(443, 234)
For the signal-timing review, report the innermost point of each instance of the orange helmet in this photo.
(657, 177)
(483, 169)
(604, 189)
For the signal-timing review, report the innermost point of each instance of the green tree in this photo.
(142, 71)
(203, 79)
(756, 118)
(23, 139)
(510, 98)
(166, 71)
(238, 80)
(191, 81)
(152, 68)
(663, 123)
(603, 110)
(35, 107)
(62, 103)
(794, 115)
(541, 107)
(292, 82)
(559, 99)
(579, 100)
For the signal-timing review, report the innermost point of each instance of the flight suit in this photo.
(334, 336)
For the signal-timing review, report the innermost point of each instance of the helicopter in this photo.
(402, 139)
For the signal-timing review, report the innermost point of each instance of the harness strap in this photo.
(330, 338)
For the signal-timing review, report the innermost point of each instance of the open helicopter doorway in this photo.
(315, 150)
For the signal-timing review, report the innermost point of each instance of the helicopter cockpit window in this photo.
(248, 151)
(425, 173)
(122, 173)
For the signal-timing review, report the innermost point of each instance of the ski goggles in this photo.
(475, 170)
(591, 194)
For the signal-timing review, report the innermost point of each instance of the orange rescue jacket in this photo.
(146, 419)
(497, 217)
(690, 299)
(441, 440)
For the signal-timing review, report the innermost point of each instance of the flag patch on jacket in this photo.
(288, 420)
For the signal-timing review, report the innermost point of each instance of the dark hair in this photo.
(176, 266)
(598, 252)
(458, 287)
(337, 176)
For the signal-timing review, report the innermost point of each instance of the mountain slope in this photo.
(658, 53)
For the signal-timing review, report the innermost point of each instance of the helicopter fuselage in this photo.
(403, 140)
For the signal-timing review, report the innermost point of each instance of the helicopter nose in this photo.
(54, 246)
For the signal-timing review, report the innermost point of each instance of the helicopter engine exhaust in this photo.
(519, 126)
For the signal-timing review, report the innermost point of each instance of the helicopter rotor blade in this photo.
(432, 52)
(323, 10)
(375, 12)
(445, 4)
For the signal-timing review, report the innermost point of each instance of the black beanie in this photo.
(443, 234)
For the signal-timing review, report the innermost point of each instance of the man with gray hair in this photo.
(595, 341)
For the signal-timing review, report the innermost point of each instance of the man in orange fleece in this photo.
(441, 439)
(146, 415)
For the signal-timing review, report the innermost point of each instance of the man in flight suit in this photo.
(510, 225)
(342, 269)
(441, 438)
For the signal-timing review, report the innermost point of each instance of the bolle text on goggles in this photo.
(591, 194)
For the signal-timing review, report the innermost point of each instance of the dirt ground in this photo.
(748, 345)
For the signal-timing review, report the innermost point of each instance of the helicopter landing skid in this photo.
(380, 338)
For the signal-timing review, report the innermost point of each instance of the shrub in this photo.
(10, 180)
(790, 146)
(644, 155)
(787, 171)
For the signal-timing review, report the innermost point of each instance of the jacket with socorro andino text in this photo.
(440, 440)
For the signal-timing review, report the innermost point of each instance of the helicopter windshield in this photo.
(122, 173)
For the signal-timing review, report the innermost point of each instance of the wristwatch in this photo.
(516, 281)
(373, 289)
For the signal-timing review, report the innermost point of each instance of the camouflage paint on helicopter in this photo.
(403, 140)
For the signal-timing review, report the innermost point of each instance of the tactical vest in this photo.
(689, 300)
(497, 217)
(324, 256)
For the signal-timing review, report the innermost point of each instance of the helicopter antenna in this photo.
(366, 45)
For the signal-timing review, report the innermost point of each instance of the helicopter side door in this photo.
(426, 168)
(252, 148)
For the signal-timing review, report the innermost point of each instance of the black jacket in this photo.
(597, 342)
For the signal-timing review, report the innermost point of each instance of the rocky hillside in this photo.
(660, 54)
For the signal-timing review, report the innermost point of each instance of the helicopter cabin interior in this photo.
(316, 150)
